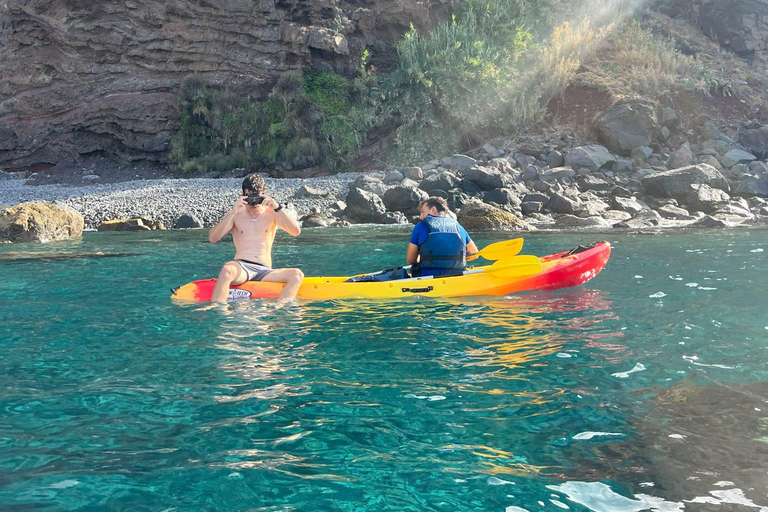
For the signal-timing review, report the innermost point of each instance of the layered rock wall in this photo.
(84, 79)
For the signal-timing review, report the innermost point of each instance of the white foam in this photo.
(658, 295)
(757, 250)
(583, 436)
(623, 375)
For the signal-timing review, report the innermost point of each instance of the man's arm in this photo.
(227, 222)
(471, 248)
(412, 255)
(283, 219)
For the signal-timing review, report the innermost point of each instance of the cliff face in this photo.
(82, 79)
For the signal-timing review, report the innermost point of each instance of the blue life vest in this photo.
(444, 249)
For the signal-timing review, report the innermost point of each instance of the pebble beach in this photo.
(166, 200)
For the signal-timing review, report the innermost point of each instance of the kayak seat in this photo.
(390, 274)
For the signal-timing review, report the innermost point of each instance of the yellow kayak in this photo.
(505, 276)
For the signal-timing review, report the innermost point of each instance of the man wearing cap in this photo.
(253, 222)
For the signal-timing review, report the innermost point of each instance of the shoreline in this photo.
(166, 199)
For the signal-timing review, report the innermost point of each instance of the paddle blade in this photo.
(500, 250)
(516, 266)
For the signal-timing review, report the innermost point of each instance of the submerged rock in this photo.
(133, 224)
(480, 216)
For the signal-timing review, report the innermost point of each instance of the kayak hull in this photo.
(560, 270)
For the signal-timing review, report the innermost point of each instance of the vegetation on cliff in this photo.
(486, 72)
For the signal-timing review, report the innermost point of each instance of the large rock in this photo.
(739, 25)
(307, 192)
(677, 182)
(487, 178)
(132, 224)
(364, 206)
(736, 156)
(441, 180)
(755, 140)
(403, 199)
(593, 157)
(626, 125)
(752, 186)
(480, 216)
(703, 198)
(39, 222)
(503, 197)
(188, 221)
(458, 162)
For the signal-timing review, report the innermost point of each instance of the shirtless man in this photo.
(253, 231)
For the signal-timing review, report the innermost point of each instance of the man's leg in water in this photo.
(292, 278)
(231, 273)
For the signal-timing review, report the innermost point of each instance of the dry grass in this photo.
(633, 62)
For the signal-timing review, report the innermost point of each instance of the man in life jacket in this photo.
(439, 245)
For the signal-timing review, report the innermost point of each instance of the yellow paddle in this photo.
(499, 250)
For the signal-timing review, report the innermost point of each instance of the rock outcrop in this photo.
(39, 222)
(82, 79)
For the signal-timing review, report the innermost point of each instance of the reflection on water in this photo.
(600, 398)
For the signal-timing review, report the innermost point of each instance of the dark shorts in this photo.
(255, 271)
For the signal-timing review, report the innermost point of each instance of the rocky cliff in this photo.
(83, 79)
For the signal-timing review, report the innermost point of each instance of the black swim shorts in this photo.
(255, 271)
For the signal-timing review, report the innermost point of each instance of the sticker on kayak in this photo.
(235, 294)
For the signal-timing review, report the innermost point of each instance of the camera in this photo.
(254, 199)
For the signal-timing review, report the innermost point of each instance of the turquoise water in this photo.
(643, 390)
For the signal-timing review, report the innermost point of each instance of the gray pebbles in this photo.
(167, 199)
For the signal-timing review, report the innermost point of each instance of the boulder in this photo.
(755, 140)
(530, 207)
(307, 192)
(645, 219)
(736, 156)
(680, 158)
(457, 199)
(369, 183)
(502, 196)
(458, 162)
(39, 222)
(394, 218)
(481, 216)
(393, 176)
(592, 157)
(615, 216)
(752, 186)
(132, 224)
(672, 212)
(487, 178)
(414, 173)
(677, 182)
(364, 206)
(571, 221)
(439, 180)
(704, 198)
(403, 198)
(316, 220)
(560, 203)
(739, 25)
(590, 182)
(555, 159)
(188, 221)
(719, 221)
(626, 125)
(630, 205)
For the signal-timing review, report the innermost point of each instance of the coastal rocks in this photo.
(364, 206)
(458, 162)
(676, 183)
(591, 157)
(736, 156)
(626, 125)
(755, 140)
(188, 221)
(487, 178)
(440, 180)
(403, 198)
(307, 192)
(484, 217)
(739, 25)
(316, 220)
(39, 222)
(706, 199)
(133, 224)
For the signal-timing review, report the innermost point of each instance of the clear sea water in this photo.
(645, 389)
